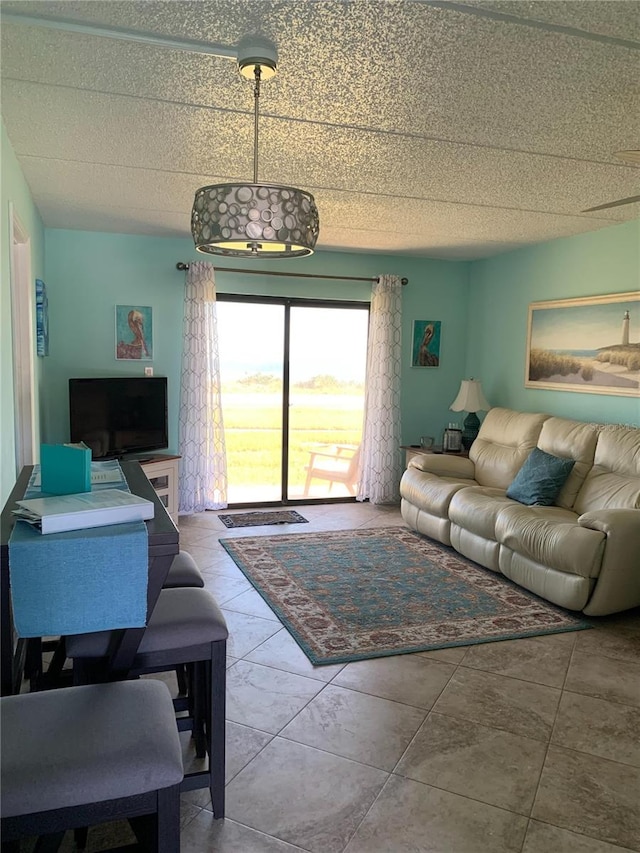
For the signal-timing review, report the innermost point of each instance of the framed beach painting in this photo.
(425, 345)
(590, 345)
(134, 333)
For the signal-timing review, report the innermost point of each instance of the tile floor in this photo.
(528, 746)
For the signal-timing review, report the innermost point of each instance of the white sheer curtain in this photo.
(203, 469)
(380, 462)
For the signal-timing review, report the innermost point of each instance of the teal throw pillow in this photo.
(540, 479)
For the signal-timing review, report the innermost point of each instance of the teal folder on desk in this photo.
(65, 468)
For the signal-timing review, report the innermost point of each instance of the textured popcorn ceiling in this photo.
(453, 130)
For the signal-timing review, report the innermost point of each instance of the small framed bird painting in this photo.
(425, 347)
(134, 333)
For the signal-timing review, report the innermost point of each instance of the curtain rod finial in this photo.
(182, 266)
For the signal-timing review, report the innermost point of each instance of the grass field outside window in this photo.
(325, 412)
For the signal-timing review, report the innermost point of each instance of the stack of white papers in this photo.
(101, 472)
(87, 509)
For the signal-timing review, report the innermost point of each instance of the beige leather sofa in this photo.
(583, 553)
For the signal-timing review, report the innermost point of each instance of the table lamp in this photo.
(470, 399)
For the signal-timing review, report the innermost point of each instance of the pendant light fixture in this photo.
(244, 220)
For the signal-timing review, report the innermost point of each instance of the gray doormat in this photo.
(257, 519)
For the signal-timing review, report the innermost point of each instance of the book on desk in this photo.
(88, 509)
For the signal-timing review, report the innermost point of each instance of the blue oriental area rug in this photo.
(355, 594)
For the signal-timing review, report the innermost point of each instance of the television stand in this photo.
(162, 473)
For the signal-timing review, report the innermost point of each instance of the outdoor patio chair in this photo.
(337, 463)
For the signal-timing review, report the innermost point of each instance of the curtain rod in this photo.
(182, 266)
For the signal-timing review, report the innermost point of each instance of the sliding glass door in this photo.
(327, 362)
(293, 397)
(252, 375)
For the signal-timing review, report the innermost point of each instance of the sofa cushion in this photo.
(614, 480)
(570, 440)
(476, 548)
(429, 492)
(563, 588)
(551, 536)
(505, 440)
(444, 465)
(540, 479)
(477, 509)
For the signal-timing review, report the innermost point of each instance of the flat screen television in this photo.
(119, 416)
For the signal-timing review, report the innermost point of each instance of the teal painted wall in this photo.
(13, 190)
(482, 306)
(89, 273)
(501, 288)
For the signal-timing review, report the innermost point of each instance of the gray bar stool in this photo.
(186, 627)
(80, 756)
(183, 573)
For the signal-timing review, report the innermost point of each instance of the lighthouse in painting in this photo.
(625, 329)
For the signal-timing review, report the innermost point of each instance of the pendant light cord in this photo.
(256, 98)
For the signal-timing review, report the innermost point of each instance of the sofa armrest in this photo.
(444, 465)
(618, 585)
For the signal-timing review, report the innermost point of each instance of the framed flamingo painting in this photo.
(134, 333)
(425, 345)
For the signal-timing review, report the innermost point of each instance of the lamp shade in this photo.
(254, 221)
(470, 397)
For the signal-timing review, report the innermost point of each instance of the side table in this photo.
(162, 472)
(412, 450)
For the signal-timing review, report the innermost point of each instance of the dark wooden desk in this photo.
(163, 546)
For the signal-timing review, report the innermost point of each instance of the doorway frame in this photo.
(22, 334)
(289, 302)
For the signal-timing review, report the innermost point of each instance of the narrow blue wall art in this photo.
(42, 319)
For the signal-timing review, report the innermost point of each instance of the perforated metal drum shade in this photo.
(254, 220)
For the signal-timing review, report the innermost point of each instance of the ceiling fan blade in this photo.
(618, 203)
